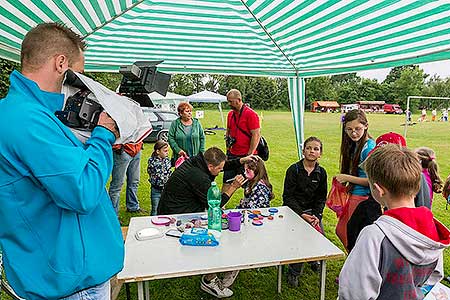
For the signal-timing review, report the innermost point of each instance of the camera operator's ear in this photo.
(61, 63)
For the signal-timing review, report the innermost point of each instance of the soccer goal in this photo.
(444, 105)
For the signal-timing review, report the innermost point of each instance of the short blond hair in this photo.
(47, 40)
(234, 93)
(395, 168)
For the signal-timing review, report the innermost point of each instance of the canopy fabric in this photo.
(294, 39)
(242, 37)
(207, 97)
(210, 97)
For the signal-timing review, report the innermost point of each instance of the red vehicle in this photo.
(392, 109)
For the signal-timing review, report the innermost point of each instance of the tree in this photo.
(396, 72)
(109, 80)
(411, 82)
(319, 89)
(6, 68)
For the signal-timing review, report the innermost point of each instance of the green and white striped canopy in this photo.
(294, 39)
(253, 37)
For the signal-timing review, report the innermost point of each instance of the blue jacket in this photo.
(58, 230)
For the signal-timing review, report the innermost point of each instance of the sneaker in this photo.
(292, 280)
(215, 288)
(229, 278)
(138, 211)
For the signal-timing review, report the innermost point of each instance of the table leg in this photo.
(280, 273)
(140, 286)
(147, 291)
(323, 277)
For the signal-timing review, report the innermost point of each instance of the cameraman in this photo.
(243, 133)
(58, 230)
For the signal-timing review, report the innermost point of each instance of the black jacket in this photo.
(302, 192)
(187, 187)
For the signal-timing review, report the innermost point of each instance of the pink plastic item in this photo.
(179, 161)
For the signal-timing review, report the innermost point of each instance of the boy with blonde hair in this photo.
(402, 251)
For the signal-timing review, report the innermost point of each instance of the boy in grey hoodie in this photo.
(402, 251)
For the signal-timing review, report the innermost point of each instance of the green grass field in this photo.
(277, 127)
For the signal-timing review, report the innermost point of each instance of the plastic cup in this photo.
(234, 221)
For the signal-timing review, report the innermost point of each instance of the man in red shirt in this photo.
(243, 131)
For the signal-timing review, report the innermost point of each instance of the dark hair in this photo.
(47, 40)
(428, 161)
(313, 139)
(350, 150)
(158, 146)
(260, 174)
(214, 156)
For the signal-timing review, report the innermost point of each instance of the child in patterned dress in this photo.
(158, 171)
(258, 190)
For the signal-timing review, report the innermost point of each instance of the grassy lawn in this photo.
(278, 129)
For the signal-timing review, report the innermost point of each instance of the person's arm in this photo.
(232, 164)
(202, 137)
(73, 175)
(256, 135)
(320, 196)
(343, 178)
(290, 186)
(360, 278)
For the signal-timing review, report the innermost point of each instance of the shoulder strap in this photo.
(237, 122)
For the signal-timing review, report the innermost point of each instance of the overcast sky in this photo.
(442, 68)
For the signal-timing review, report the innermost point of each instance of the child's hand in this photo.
(342, 178)
(311, 219)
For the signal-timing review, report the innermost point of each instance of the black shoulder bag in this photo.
(262, 148)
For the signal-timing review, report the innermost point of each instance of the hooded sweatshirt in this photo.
(394, 257)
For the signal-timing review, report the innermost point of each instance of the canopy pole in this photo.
(221, 115)
(296, 88)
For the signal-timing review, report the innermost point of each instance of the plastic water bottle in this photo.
(214, 198)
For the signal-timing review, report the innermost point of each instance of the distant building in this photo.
(347, 107)
(371, 106)
(324, 106)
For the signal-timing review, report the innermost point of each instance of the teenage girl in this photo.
(355, 146)
(258, 191)
(430, 170)
(158, 171)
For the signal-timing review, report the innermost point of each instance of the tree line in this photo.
(270, 93)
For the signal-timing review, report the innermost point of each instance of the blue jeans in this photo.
(98, 292)
(125, 165)
(155, 197)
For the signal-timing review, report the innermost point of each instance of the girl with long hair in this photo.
(158, 170)
(430, 170)
(258, 191)
(356, 145)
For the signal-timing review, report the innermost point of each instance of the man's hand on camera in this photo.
(106, 121)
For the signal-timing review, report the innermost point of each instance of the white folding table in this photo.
(284, 240)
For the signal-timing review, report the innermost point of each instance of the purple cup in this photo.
(234, 221)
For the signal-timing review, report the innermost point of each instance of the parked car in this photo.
(392, 109)
(160, 121)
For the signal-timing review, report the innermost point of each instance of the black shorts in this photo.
(231, 173)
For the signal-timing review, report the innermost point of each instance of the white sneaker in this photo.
(229, 278)
(215, 288)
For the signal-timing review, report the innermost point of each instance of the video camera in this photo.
(82, 110)
(79, 111)
(142, 78)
